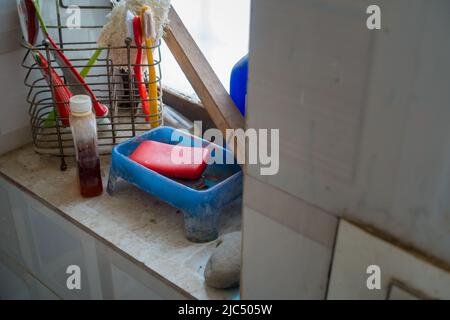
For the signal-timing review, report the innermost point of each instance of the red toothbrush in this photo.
(137, 35)
(62, 93)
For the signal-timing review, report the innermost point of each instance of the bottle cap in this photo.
(80, 104)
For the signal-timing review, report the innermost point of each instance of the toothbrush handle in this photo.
(137, 66)
(90, 63)
(152, 87)
(62, 93)
(100, 109)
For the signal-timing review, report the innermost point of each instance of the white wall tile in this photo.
(279, 263)
(9, 243)
(362, 114)
(356, 249)
(44, 244)
(123, 279)
(18, 284)
(56, 245)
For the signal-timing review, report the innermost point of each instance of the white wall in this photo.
(14, 124)
(363, 118)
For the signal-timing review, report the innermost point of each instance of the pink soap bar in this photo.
(171, 160)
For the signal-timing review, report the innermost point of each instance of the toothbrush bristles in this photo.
(129, 24)
(149, 25)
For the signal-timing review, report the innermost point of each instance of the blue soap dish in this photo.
(201, 201)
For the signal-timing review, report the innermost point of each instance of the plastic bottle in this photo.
(84, 132)
(238, 83)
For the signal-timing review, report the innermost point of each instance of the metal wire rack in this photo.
(113, 84)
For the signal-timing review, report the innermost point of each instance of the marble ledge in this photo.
(149, 231)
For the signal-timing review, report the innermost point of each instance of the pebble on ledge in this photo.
(224, 266)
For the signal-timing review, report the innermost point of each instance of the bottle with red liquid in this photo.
(84, 132)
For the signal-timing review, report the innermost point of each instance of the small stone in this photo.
(223, 269)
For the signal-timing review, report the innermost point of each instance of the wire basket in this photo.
(114, 86)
